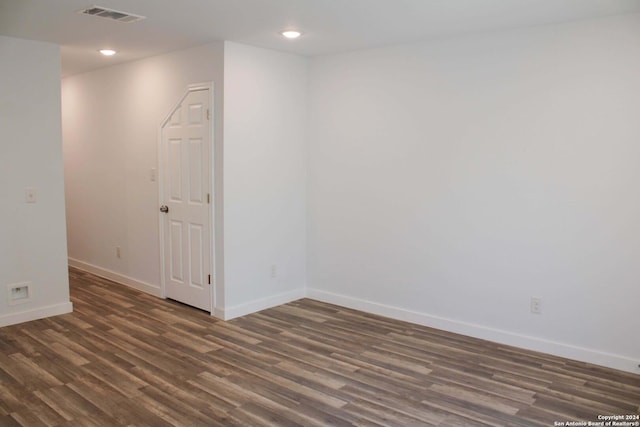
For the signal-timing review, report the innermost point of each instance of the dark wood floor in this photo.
(127, 358)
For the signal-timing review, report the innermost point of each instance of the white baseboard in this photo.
(218, 313)
(36, 313)
(478, 331)
(116, 277)
(259, 304)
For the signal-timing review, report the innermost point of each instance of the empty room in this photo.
(320, 212)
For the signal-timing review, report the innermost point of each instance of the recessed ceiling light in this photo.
(107, 52)
(291, 34)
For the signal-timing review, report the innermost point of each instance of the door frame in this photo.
(161, 175)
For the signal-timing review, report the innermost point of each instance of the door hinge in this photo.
(209, 279)
(208, 114)
(208, 198)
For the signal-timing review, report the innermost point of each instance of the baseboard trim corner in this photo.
(116, 277)
(260, 304)
(35, 314)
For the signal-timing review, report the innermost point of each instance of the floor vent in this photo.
(115, 15)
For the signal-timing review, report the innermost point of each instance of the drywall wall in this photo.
(32, 235)
(111, 122)
(111, 119)
(451, 181)
(265, 111)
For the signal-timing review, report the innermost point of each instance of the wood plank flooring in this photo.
(124, 358)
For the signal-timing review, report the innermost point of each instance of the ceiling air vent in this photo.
(116, 15)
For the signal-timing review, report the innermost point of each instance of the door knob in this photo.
(164, 208)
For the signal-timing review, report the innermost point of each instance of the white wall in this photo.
(111, 120)
(265, 112)
(32, 236)
(449, 182)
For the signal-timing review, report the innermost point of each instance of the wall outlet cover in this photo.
(30, 195)
(18, 293)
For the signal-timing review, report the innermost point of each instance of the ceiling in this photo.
(329, 26)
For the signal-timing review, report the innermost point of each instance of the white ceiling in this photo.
(329, 26)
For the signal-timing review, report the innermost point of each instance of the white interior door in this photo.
(186, 174)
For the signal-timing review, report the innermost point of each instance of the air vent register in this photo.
(115, 15)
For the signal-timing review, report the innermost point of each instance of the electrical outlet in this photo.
(274, 271)
(536, 305)
(30, 195)
(118, 252)
(19, 293)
